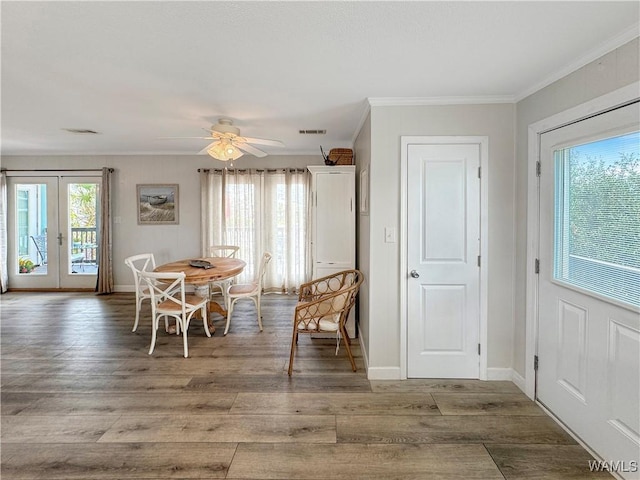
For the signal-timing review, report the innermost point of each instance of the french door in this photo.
(589, 283)
(52, 225)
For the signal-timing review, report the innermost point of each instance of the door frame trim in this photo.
(585, 110)
(483, 142)
(59, 176)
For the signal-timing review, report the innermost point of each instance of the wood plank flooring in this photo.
(82, 399)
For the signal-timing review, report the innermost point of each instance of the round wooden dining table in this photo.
(199, 277)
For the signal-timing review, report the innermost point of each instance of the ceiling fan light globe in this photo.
(224, 152)
(233, 153)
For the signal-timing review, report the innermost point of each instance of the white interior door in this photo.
(52, 232)
(443, 247)
(589, 282)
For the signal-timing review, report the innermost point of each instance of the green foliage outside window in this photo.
(82, 208)
(605, 209)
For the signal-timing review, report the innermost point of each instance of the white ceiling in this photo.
(138, 71)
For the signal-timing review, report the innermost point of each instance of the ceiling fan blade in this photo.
(264, 141)
(205, 138)
(249, 149)
(204, 150)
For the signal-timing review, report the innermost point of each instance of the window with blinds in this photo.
(597, 217)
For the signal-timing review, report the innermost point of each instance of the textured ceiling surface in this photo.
(139, 71)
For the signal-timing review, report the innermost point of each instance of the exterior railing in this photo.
(85, 241)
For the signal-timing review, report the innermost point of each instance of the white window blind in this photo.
(597, 226)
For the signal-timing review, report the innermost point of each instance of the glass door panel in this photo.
(32, 262)
(79, 231)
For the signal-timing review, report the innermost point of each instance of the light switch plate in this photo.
(389, 235)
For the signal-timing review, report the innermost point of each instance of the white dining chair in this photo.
(140, 263)
(251, 290)
(174, 302)
(222, 251)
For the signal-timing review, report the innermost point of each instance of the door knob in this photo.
(414, 274)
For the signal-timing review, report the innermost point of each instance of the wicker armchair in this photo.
(324, 305)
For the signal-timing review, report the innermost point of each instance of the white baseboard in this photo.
(519, 381)
(383, 373)
(363, 350)
(499, 374)
(508, 374)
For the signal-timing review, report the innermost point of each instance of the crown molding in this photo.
(421, 101)
(608, 46)
(363, 118)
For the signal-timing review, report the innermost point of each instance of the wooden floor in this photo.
(82, 399)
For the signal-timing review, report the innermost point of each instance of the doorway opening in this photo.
(53, 237)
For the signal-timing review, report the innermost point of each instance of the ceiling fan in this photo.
(228, 144)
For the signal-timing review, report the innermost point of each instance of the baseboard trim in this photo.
(519, 381)
(508, 374)
(393, 373)
(363, 350)
(383, 373)
(499, 373)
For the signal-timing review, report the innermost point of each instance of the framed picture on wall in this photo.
(364, 191)
(158, 204)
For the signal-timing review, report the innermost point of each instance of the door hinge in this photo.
(535, 363)
(479, 172)
(538, 169)
(537, 266)
(478, 349)
(479, 260)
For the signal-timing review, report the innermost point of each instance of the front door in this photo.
(443, 249)
(589, 283)
(52, 232)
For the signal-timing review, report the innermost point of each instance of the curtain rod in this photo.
(111, 170)
(206, 170)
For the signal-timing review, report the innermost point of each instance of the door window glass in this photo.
(597, 217)
(31, 225)
(82, 211)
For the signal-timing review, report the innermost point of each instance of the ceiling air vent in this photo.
(80, 131)
(312, 132)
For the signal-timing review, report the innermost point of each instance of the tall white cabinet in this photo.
(333, 223)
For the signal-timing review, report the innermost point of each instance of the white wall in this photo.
(167, 242)
(606, 74)
(362, 152)
(388, 124)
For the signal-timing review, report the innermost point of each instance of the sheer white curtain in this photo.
(260, 211)
(4, 272)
